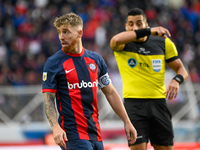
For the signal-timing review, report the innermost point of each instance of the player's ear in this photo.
(80, 33)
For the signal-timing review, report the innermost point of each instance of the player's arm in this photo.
(181, 76)
(117, 105)
(50, 110)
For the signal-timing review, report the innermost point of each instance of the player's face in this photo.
(69, 37)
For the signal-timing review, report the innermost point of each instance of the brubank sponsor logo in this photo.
(82, 84)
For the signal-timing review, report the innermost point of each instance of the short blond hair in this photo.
(69, 19)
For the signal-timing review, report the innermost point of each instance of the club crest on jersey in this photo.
(44, 76)
(132, 62)
(92, 67)
(157, 64)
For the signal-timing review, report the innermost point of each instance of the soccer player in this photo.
(141, 53)
(72, 76)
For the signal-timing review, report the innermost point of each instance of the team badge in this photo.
(44, 77)
(157, 64)
(92, 67)
(132, 62)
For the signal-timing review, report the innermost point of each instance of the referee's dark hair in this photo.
(137, 11)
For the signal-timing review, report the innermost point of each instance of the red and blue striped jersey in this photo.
(75, 78)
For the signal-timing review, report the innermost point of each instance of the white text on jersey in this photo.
(82, 84)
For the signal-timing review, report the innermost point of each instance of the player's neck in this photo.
(78, 49)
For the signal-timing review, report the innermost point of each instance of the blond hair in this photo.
(69, 19)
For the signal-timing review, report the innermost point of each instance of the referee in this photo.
(141, 54)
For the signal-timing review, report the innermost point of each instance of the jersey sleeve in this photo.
(49, 83)
(170, 50)
(103, 78)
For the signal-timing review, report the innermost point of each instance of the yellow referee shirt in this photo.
(142, 67)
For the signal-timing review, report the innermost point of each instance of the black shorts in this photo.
(151, 119)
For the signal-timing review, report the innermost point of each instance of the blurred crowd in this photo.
(28, 37)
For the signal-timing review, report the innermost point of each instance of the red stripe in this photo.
(94, 76)
(75, 95)
(49, 90)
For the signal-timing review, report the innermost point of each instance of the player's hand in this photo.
(160, 31)
(172, 90)
(130, 133)
(59, 135)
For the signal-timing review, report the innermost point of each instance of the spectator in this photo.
(26, 29)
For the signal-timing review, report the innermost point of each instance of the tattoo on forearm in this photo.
(50, 109)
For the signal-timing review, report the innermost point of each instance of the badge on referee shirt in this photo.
(156, 64)
(44, 77)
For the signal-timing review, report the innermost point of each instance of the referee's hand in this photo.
(160, 31)
(172, 90)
